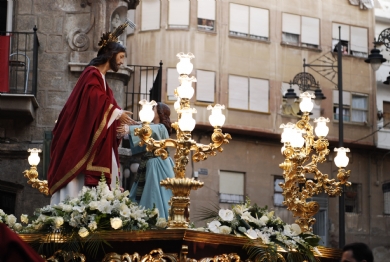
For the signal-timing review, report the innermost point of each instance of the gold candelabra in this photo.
(299, 144)
(32, 174)
(181, 186)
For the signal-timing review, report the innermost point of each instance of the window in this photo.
(179, 14)
(7, 202)
(248, 93)
(278, 197)
(231, 187)
(172, 83)
(150, 15)
(247, 21)
(205, 86)
(131, 17)
(353, 39)
(352, 195)
(293, 109)
(206, 15)
(386, 114)
(355, 107)
(300, 30)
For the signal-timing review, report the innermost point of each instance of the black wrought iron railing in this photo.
(19, 62)
(145, 83)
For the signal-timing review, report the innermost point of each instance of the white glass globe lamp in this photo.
(306, 105)
(341, 160)
(217, 119)
(321, 129)
(146, 114)
(184, 67)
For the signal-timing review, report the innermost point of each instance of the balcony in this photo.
(18, 74)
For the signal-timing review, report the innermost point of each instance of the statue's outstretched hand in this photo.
(126, 119)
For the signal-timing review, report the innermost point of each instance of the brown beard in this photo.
(113, 65)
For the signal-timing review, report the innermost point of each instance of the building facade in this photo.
(246, 54)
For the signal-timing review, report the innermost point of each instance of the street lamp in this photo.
(375, 58)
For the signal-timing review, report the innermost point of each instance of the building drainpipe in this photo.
(10, 11)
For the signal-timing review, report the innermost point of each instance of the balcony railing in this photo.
(145, 83)
(19, 52)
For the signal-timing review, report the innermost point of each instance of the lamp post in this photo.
(375, 58)
(328, 64)
(181, 186)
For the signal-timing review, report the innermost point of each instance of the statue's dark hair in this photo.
(360, 251)
(164, 112)
(106, 53)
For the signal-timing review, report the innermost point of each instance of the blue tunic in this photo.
(157, 169)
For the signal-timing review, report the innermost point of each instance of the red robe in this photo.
(82, 143)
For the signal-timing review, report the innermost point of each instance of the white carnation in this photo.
(24, 218)
(58, 222)
(10, 220)
(225, 230)
(161, 222)
(92, 225)
(17, 226)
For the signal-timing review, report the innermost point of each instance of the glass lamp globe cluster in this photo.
(302, 152)
(184, 144)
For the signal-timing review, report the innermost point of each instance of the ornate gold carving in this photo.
(33, 180)
(66, 257)
(297, 188)
(179, 213)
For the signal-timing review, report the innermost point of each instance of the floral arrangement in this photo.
(262, 226)
(81, 219)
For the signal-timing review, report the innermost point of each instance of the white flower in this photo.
(67, 208)
(214, 226)
(10, 220)
(292, 230)
(161, 222)
(154, 212)
(226, 214)
(58, 222)
(252, 233)
(17, 226)
(125, 212)
(83, 232)
(38, 226)
(110, 196)
(247, 216)
(240, 209)
(105, 206)
(270, 214)
(116, 222)
(24, 218)
(225, 230)
(92, 225)
(264, 220)
(93, 205)
(79, 209)
(2, 212)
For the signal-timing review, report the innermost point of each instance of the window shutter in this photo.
(239, 20)
(359, 39)
(147, 79)
(179, 13)
(172, 83)
(150, 18)
(206, 9)
(131, 17)
(291, 24)
(344, 31)
(310, 30)
(346, 97)
(238, 92)
(205, 86)
(231, 183)
(258, 95)
(259, 22)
